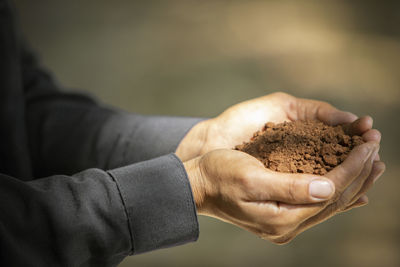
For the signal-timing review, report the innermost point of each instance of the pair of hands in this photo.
(235, 187)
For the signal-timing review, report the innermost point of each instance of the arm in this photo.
(70, 132)
(96, 218)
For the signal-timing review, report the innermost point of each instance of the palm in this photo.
(238, 123)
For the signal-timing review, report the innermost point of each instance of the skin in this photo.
(236, 188)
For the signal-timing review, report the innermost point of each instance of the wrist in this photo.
(192, 144)
(196, 181)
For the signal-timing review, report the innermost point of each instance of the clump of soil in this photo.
(301, 146)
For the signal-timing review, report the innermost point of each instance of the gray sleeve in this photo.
(96, 218)
(69, 132)
(159, 203)
(93, 218)
(137, 137)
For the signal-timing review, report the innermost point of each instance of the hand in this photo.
(235, 187)
(238, 123)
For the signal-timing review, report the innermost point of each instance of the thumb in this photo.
(295, 188)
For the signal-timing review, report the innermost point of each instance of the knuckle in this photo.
(247, 182)
(280, 94)
(292, 189)
(325, 104)
(251, 184)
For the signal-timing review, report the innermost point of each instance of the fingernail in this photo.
(320, 189)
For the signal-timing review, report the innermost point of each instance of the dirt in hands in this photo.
(301, 146)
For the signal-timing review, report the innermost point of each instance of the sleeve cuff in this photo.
(159, 204)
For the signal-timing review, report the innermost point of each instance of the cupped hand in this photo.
(238, 123)
(235, 187)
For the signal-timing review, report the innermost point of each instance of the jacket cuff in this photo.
(159, 204)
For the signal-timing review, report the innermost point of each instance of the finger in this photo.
(358, 127)
(307, 109)
(362, 201)
(372, 135)
(317, 217)
(354, 188)
(291, 188)
(332, 116)
(320, 216)
(324, 215)
(280, 216)
(345, 173)
(378, 169)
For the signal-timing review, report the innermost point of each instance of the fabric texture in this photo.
(156, 197)
(59, 206)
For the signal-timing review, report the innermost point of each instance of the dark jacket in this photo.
(82, 184)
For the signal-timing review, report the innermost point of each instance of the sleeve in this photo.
(70, 132)
(96, 218)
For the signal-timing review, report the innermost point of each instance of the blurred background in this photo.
(196, 58)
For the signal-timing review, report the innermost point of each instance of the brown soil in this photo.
(301, 146)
